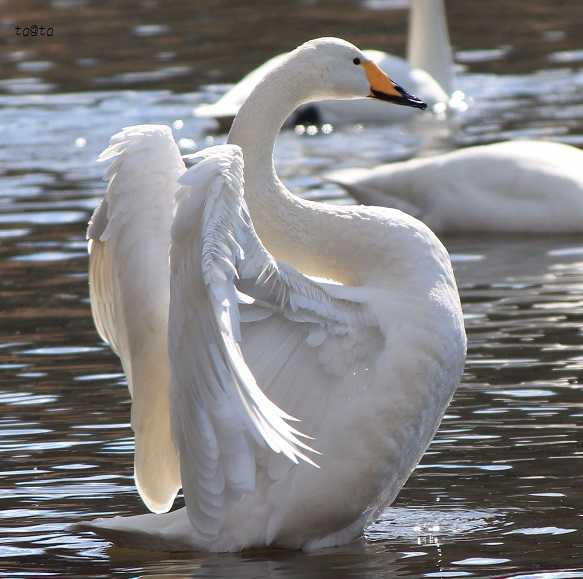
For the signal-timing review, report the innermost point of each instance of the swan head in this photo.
(336, 69)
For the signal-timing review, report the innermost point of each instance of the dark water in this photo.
(500, 491)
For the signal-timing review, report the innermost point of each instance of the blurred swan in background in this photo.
(347, 318)
(428, 72)
(514, 186)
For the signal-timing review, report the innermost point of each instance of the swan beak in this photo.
(383, 88)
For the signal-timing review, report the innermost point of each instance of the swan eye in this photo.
(356, 61)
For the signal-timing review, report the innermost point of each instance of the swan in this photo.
(514, 186)
(271, 309)
(428, 72)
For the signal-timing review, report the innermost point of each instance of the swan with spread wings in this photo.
(291, 361)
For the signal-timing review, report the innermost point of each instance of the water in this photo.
(498, 494)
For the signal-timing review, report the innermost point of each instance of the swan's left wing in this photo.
(218, 269)
(129, 238)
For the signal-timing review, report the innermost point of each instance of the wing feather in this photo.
(129, 236)
(219, 267)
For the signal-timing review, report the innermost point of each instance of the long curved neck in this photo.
(258, 123)
(429, 47)
(288, 226)
(319, 239)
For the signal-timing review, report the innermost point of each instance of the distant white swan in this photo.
(514, 186)
(428, 72)
(368, 360)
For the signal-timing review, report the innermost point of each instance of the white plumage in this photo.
(221, 415)
(516, 187)
(129, 234)
(366, 361)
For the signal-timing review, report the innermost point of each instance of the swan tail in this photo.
(389, 185)
(167, 532)
(356, 182)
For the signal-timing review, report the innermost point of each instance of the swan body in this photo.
(514, 186)
(428, 73)
(280, 309)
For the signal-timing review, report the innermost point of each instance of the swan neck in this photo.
(316, 238)
(278, 216)
(258, 122)
(429, 46)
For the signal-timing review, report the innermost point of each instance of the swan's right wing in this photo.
(221, 417)
(129, 236)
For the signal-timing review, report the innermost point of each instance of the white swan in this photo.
(515, 186)
(428, 73)
(368, 361)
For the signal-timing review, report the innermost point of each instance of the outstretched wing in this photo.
(129, 238)
(220, 272)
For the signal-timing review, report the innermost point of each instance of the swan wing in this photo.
(221, 276)
(129, 236)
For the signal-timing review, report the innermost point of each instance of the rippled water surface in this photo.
(500, 491)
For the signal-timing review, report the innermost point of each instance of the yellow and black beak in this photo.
(383, 88)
